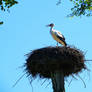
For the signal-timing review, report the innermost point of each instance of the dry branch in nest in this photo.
(55, 63)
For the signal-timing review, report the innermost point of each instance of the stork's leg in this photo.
(57, 44)
(58, 81)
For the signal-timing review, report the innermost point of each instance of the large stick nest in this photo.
(49, 59)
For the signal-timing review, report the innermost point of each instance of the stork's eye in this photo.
(51, 24)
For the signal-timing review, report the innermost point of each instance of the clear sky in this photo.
(24, 30)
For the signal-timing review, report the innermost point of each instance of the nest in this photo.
(43, 61)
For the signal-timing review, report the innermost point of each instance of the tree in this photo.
(81, 7)
(5, 5)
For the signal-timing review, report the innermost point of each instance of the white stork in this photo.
(57, 35)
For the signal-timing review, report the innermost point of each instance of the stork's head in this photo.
(50, 25)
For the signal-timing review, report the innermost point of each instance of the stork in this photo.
(57, 35)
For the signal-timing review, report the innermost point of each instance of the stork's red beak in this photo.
(48, 25)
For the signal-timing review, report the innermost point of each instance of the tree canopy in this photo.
(6, 4)
(81, 7)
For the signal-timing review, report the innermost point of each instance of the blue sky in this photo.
(24, 30)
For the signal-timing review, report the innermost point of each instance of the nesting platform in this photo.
(41, 62)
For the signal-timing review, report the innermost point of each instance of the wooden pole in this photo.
(58, 81)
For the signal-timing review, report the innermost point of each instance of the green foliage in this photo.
(81, 7)
(1, 22)
(5, 5)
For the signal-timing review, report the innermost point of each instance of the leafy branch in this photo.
(5, 5)
(81, 7)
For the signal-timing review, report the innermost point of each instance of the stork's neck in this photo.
(51, 28)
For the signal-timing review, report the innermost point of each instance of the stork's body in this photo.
(57, 35)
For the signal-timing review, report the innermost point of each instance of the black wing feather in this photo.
(61, 38)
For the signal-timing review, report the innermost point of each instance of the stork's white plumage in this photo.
(57, 35)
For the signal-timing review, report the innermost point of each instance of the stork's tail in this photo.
(65, 44)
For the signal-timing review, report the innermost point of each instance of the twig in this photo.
(43, 82)
(87, 60)
(59, 2)
(48, 84)
(74, 77)
(70, 82)
(82, 81)
(18, 80)
(31, 80)
(31, 83)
